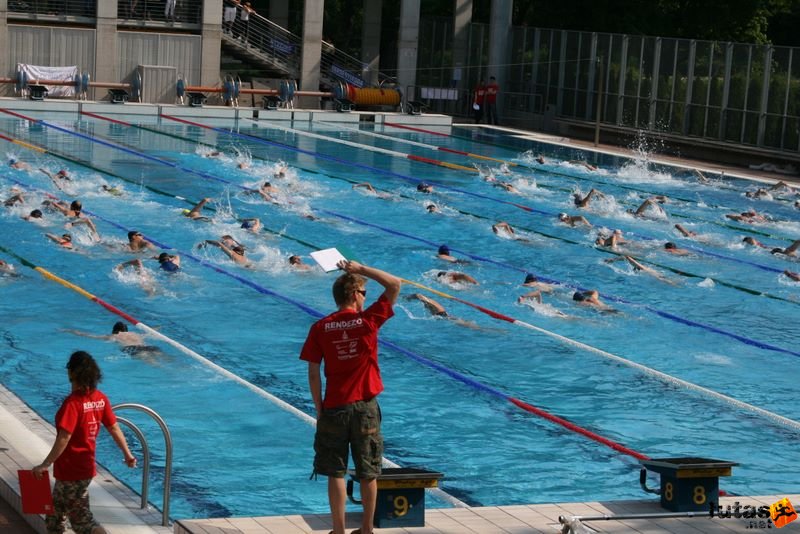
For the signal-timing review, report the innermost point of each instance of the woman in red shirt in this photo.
(78, 423)
(478, 101)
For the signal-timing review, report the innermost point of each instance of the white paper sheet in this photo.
(328, 258)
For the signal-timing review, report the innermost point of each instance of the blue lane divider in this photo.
(261, 140)
(411, 354)
(615, 299)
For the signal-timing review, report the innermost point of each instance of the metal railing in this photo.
(337, 66)
(282, 49)
(183, 11)
(53, 8)
(146, 455)
(262, 38)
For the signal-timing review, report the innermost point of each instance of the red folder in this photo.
(35, 493)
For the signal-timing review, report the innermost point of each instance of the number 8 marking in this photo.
(668, 491)
(699, 495)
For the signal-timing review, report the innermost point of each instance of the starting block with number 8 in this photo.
(688, 484)
(401, 496)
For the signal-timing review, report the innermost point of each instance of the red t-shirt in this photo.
(491, 93)
(348, 343)
(81, 415)
(480, 93)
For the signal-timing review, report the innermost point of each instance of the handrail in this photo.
(145, 458)
(264, 38)
(336, 66)
(146, 454)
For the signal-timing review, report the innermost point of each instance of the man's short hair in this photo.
(344, 286)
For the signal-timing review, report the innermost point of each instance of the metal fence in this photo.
(732, 92)
(56, 8)
(184, 11)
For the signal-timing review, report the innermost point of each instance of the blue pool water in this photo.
(725, 320)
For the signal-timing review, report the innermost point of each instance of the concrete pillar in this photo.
(312, 51)
(6, 67)
(106, 67)
(279, 12)
(462, 18)
(371, 40)
(499, 35)
(211, 37)
(407, 46)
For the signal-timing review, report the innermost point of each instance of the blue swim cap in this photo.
(444, 250)
(248, 224)
(530, 278)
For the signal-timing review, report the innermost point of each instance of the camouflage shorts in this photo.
(71, 501)
(356, 427)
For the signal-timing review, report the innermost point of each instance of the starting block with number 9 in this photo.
(401, 496)
(688, 484)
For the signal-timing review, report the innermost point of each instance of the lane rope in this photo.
(665, 315)
(415, 356)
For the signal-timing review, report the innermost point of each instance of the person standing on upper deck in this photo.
(244, 16)
(478, 101)
(491, 100)
(348, 416)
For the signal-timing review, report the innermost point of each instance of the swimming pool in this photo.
(728, 323)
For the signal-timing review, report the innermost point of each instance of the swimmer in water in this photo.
(531, 280)
(591, 298)
(649, 205)
(749, 216)
(574, 220)
(131, 342)
(672, 248)
(16, 163)
(453, 276)
(144, 279)
(169, 262)
(753, 242)
(582, 202)
(610, 241)
(504, 229)
(7, 269)
(232, 248)
(196, 212)
(297, 263)
(639, 268)
(65, 240)
(791, 250)
(684, 232)
(137, 242)
(252, 224)
(444, 254)
(437, 310)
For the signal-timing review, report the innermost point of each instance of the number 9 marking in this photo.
(400, 505)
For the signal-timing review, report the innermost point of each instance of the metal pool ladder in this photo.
(146, 455)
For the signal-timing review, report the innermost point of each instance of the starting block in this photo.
(196, 100)
(343, 105)
(118, 96)
(416, 107)
(37, 92)
(401, 496)
(271, 102)
(687, 484)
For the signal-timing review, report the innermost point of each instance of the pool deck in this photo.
(25, 438)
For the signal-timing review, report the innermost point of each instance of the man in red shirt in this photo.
(348, 417)
(491, 101)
